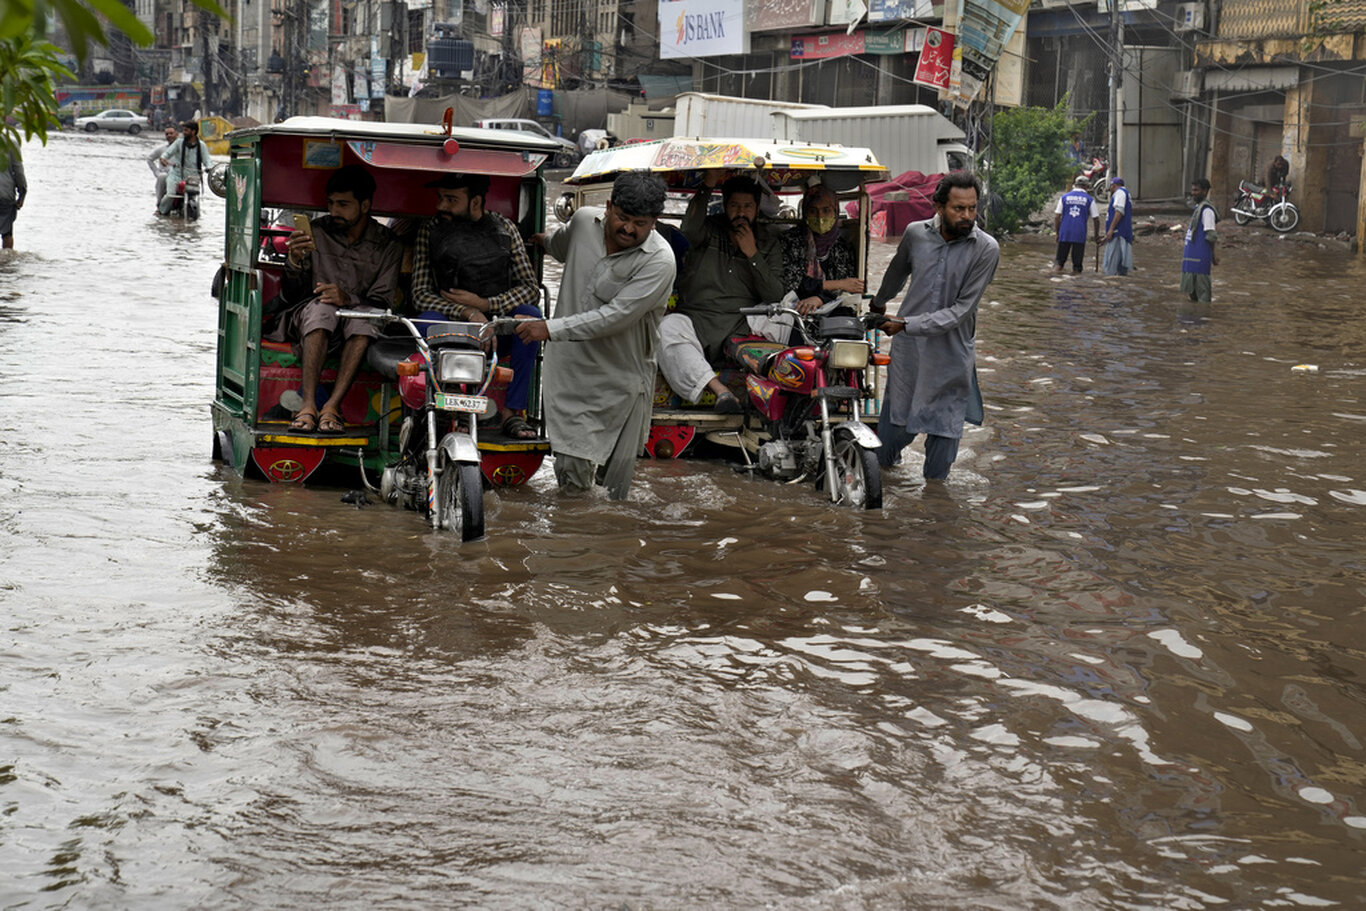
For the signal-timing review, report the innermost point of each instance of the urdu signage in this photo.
(702, 28)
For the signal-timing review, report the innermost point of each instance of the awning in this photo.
(664, 86)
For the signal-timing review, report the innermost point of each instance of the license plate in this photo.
(470, 404)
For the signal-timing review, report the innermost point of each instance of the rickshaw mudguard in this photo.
(459, 448)
(861, 432)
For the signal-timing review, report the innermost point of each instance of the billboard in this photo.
(701, 28)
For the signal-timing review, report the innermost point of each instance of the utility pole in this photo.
(1116, 85)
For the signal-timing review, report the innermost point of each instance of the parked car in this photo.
(113, 119)
(567, 158)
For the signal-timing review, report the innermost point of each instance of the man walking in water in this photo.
(932, 380)
(600, 363)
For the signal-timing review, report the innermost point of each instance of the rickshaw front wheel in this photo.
(460, 497)
(859, 483)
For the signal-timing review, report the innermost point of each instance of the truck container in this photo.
(905, 137)
(703, 116)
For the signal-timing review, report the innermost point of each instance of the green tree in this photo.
(29, 65)
(1028, 161)
(28, 70)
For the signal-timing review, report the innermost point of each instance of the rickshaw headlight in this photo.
(460, 366)
(848, 354)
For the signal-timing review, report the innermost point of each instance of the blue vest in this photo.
(1125, 228)
(1076, 209)
(1196, 257)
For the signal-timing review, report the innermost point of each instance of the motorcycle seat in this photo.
(385, 354)
(1248, 186)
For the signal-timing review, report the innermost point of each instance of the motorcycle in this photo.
(441, 388)
(185, 198)
(1095, 172)
(805, 399)
(1272, 204)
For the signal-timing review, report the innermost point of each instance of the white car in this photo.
(567, 157)
(114, 119)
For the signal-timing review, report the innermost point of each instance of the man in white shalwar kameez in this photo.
(599, 374)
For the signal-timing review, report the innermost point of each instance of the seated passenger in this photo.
(469, 264)
(347, 261)
(731, 263)
(819, 264)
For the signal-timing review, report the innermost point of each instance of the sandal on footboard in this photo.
(330, 421)
(306, 421)
(515, 427)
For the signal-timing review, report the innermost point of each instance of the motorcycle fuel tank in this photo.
(764, 395)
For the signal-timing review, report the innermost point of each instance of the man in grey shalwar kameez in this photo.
(618, 275)
(932, 379)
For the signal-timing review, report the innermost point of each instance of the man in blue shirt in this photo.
(1198, 255)
(1119, 230)
(1069, 221)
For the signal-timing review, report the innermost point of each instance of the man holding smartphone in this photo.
(342, 260)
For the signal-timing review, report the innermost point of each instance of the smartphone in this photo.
(301, 223)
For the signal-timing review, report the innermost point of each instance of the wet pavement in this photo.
(1115, 662)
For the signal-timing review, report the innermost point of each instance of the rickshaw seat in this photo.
(387, 352)
(754, 353)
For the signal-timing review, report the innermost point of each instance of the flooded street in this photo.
(1116, 662)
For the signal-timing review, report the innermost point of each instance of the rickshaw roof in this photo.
(375, 131)
(781, 162)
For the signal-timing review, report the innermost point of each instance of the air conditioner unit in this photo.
(1188, 83)
(1190, 17)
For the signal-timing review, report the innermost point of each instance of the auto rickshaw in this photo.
(810, 403)
(281, 169)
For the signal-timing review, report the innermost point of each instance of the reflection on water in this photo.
(1113, 663)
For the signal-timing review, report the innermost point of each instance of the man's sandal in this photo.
(331, 422)
(515, 427)
(304, 422)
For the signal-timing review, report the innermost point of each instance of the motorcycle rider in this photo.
(187, 155)
(159, 168)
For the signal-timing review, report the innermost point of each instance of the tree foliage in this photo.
(28, 70)
(30, 66)
(1029, 160)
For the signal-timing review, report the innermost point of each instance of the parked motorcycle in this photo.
(1095, 172)
(804, 404)
(1271, 204)
(441, 387)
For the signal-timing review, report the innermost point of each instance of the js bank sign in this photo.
(702, 28)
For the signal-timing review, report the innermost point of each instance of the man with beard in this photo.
(600, 363)
(731, 263)
(186, 155)
(346, 261)
(469, 264)
(932, 380)
(1198, 255)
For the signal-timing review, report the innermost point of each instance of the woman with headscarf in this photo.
(818, 262)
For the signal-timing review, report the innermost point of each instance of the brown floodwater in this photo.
(1115, 662)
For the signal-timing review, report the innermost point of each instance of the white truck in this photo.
(905, 137)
